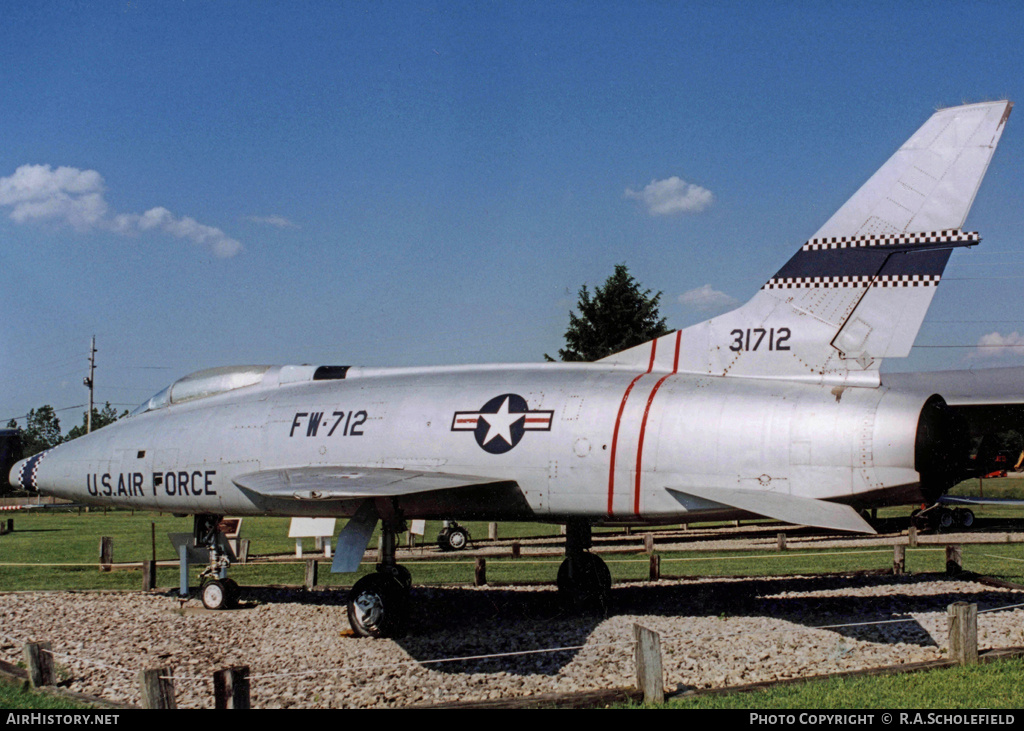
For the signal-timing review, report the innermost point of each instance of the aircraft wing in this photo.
(349, 483)
(976, 387)
(780, 506)
(957, 500)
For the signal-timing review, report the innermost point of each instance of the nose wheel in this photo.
(220, 594)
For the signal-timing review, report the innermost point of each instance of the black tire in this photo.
(214, 594)
(233, 590)
(584, 582)
(377, 606)
(944, 520)
(965, 517)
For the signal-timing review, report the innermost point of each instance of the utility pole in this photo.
(89, 384)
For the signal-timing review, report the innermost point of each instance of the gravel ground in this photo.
(715, 632)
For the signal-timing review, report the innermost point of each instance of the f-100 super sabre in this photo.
(775, 409)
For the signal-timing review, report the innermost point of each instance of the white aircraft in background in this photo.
(775, 409)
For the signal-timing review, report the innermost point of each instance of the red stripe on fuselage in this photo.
(618, 423)
(643, 426)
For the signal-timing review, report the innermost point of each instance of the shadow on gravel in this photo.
(464, 622)
(474, 623)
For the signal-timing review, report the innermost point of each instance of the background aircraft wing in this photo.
(957, 500)
(975, 387)
(348, 483)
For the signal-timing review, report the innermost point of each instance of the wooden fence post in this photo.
(243, 550)
(157, 686)
(231, 688)
(312, 569)
(912, 536)
(106, 553)
(480, 572)
(954, 560)
(781, 538)
(515, 549)
(649, 675)
(648, 543)
(492, 531)
(655, 570)
(148, 575)
(963, 632)
(899, 559)
(39, 660)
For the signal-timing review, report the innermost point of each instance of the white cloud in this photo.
(672, 195)
(276, 221)
(996, 345)
(705, 298)
(73, 196)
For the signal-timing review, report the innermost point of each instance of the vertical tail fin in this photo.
(858, 291)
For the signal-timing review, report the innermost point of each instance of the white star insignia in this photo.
(500, 424)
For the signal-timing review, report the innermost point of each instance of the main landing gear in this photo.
(940, 519)
(378, 604)
(584, 581)
(215, 589)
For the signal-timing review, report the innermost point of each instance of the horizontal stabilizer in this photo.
(347, 483)
(780, 506)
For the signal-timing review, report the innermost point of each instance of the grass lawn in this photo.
(15, 695)
(998, 683)
(60, 550)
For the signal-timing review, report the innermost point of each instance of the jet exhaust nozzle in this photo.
(941, 449)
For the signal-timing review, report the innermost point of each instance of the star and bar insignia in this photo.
(499, 425)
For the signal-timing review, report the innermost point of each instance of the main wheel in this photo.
(943, 520)
(215, 594)
(584, 581)
(964, 517)
(452, 538)
(377, 606)
(458, 538)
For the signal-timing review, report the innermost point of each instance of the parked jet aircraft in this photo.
(774, 409)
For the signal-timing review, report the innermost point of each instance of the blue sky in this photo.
(395, 183)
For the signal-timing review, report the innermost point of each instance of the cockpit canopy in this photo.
(203, 384)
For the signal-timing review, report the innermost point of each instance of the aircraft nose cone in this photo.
(23, 474)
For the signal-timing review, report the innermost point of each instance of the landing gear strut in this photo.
(584, 581)
(378, 604)
(215, 589)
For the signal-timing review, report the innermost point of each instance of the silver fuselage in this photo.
(602, 443)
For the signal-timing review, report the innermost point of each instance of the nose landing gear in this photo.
(215, 590)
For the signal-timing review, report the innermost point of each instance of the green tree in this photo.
(100, 418)
(42, 431)
(619, 315)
